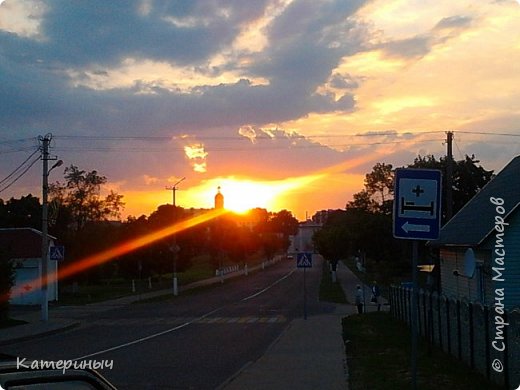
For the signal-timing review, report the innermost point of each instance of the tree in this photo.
(363, 201)
(468, 178)
(23, 212)
(380, 182)
(346, 232)
(332, 242)
(377, 197)
(283, 222)
(81, 196)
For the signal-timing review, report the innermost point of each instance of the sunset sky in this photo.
(283, 104)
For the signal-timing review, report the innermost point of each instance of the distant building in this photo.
(489, 224)
(302, 241)
(219, 200)
(23, 246)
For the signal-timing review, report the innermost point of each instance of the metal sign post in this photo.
(304, 260)
(417, 216)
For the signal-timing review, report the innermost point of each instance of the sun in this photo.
(240, 196)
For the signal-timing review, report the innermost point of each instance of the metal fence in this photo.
(469, 331)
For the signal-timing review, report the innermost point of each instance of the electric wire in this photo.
(20, 175)
(484, 133)
(17, 145)
(19, 166)
(234, 149)
(287, 136)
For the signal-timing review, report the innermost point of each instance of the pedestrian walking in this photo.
(359, 299)
(376, 295)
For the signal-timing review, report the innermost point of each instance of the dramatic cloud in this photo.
(271, 90)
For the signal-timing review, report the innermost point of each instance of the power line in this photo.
(7, 142)
(490, 134)
(287, 136)
(19, 166)
(235, 149)
(17, 145)
(20, 175)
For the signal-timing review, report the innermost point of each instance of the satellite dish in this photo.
(469, 263)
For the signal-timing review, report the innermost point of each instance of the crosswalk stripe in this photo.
(181, 320)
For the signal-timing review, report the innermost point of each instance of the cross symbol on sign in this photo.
(418, 191)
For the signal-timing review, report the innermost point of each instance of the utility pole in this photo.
(174, 247)
(174, 189)
(46, 140)
(449, 175)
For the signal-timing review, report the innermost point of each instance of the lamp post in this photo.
(45, 237)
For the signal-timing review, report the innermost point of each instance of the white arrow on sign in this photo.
(410, 227)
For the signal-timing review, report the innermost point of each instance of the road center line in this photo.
(152, 336)
(268, 287)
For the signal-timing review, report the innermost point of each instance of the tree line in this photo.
(364, 227)
(86, 222)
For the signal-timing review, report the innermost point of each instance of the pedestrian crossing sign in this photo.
(57, 252)
(304, 260)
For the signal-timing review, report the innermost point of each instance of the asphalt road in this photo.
(195, 341)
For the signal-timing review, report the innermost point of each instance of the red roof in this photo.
(21, 243)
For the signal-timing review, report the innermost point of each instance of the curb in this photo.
(126, 300)
(39, 334)
(235, 375)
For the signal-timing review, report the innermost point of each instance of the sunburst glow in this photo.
(124, 248)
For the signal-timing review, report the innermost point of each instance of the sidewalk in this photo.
(310, 354)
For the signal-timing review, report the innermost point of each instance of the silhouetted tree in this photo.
(377, 196)
(81, 196)
(23, 212)
(468, 178)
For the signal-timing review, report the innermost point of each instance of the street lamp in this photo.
(45, 237)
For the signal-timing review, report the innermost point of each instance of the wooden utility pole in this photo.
(174, 188)
(44, 277)
(45, 239)
(449, 175)
(174, 247)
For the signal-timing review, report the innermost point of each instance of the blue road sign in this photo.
(304, 260)
(57, 252)
(417, 204)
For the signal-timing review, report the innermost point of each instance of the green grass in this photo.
(329, 291)
(201, 269)
(385, 274)
(378, 357)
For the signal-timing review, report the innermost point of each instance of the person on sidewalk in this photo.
(359, 299)
(376, 295)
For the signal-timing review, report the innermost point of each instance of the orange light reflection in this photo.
(124, 248)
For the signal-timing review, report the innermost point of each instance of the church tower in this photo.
(219, 200)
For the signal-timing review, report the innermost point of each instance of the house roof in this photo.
(21, 243)
(476, 220)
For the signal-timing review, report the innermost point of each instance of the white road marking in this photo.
(152, 336)
(268, 287)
